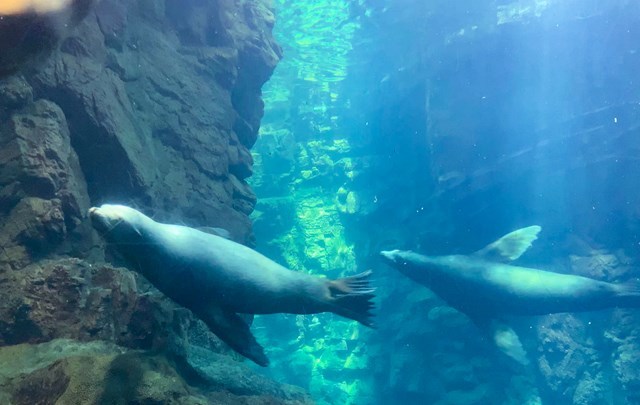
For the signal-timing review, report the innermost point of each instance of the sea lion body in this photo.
(217, 279)
(474, 285)
(207, 268)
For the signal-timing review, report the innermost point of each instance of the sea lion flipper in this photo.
(507, 340)
(234, 331)
(247, 318)
(503, 336)
(223, 233)
(352, 297)
(511, 246)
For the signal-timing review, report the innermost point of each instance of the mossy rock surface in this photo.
(65, 371)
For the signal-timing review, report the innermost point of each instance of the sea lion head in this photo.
(118, 223)
(395, 258)
(407, 262)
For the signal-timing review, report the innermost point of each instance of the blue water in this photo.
(427, 126)
(465, 122)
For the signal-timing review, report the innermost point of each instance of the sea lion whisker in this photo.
(112, 227)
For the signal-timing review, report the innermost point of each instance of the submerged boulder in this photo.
(71, 372)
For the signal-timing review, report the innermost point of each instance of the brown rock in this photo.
(43, 386)
(15, 93)
(27, 38)
(155, 111)
(153, 104)
(43, 193)
(70, 372)
(33, 228)
(73, 299)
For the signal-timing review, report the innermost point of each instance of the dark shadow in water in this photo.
(123, 378)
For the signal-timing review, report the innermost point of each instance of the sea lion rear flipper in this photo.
(351, 297)
(507, 340)
(234, 331)
(511, 246)
(503, 336)
(247, 318)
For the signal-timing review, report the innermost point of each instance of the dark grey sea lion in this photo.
(485, 287)
(217, 279)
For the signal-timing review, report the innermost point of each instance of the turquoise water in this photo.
(439, 127)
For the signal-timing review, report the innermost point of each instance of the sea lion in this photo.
(485, 287)
(217, 279)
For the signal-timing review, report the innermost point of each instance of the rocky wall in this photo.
(153, 104)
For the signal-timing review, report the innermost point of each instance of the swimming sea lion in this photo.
(485, 287)
(217, 279)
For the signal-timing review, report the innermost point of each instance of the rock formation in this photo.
(153, 104)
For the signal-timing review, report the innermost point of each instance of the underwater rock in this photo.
(240, 160)
(39, 156)
(72, 299)
(31, 30)
(567, 355)
(219, 372)
(591, 389)
(166, 82)
(68, 371)
(274, 215)
(15, 93)
(624, 338)
(243, 197)
(35, 226)
(43, 195)
(154, 103)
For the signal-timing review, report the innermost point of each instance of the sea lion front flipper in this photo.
(234, 331)
(247, 318)
(223, 233)
(511, 246)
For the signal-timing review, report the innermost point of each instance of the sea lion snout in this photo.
(104, 218)
(120, 219)
(389, 256)
(99, 221)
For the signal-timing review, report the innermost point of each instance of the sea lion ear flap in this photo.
(511, 246)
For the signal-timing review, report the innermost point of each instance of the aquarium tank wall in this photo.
(479, 158)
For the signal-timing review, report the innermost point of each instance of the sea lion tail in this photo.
(352, 296)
